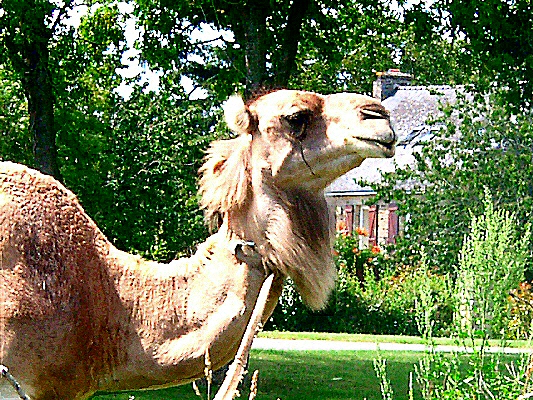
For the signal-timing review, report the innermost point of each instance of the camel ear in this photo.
(238, 116)
(225, 177)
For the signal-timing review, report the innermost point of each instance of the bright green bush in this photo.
(490, 267)
(492, 262)
(138, 177)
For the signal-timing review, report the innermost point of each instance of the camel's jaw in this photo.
(382, 146)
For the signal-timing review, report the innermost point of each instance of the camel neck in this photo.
(176, 312)
(293, 233)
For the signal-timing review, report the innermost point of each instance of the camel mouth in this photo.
(387, 147)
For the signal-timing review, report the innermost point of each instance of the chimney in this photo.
(387, 83)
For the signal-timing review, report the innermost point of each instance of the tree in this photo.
(38, 45)
(264, 33)
(26, 36)
(311, 44)
(491, 148)
(497, 37)
(109, 155)
(356, 40)
(344, 44)
(156, 148)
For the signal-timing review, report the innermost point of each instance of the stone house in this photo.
(410, 109)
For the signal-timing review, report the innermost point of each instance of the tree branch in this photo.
(200, 43)
(203, 71)
(60, 15)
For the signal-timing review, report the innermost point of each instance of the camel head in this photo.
(308, 140)
(290, 145)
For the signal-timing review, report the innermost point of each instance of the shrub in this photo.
(491, 263)
(520, 324)
(371, 296)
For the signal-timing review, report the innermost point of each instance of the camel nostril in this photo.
(388, 137)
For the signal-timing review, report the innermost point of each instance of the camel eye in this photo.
(374, 114)
(298, 123)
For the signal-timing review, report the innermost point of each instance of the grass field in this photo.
(328, 375)
(295, 375)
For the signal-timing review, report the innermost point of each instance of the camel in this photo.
(77, 315)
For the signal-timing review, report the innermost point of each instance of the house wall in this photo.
(380, 221)
(383, 226)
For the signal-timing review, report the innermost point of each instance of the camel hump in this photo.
(23, 181)
(47, 241)
(31, 197)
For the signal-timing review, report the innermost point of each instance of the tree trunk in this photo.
(27, 40)
(255, 48)
(38, 87)
(291, 39)
(255, 37)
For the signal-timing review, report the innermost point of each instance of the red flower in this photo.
(376, 250)
(361, 231)
(341, 227)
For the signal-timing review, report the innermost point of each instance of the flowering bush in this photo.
(521, 320)
(491, 264)
(371, 296)
(352, 258)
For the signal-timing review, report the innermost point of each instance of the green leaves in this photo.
(498, 41)
(143, 190)
(491, 264)
(15, 141)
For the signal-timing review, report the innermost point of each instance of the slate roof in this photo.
(410, 109)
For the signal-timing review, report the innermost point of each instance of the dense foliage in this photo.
(146, 200)
(484, 145)
(14, 140)
(371, 296)
(482, 296)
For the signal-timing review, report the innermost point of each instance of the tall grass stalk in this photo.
(380, 367)
(490, 265)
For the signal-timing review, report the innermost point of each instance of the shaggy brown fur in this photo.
(77, 315)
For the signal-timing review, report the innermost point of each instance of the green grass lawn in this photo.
(293, 375)
(328, 375)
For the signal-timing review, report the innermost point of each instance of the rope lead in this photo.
(4, 371)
